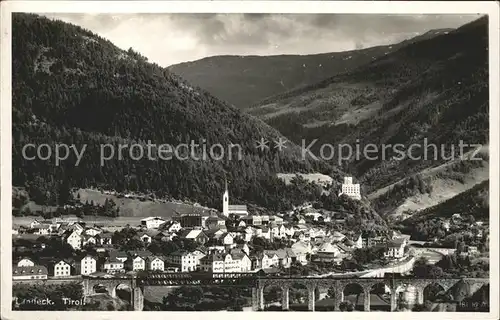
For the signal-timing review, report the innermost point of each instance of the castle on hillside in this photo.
(349, 189)
(227, 209)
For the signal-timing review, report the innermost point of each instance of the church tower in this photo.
(225, 202)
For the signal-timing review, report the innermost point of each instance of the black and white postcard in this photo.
(249, 156)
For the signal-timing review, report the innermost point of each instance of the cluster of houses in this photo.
(218, 250)
(219, 247)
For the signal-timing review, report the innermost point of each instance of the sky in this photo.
(169, 39)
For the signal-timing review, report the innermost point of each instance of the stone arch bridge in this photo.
(258, 283)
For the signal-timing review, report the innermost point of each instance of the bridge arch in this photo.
(379, 298)
(434, 291)
(273, 297)
(123, 291)
(353, 297)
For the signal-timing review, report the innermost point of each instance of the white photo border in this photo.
(491, 8)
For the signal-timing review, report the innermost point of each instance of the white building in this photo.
(113, 265)
(25, 262)
(269, 259)
(227, 263)
(75, 240)
(350, 189)
(29, 273)
(88, 265)
(227, 209)
(138, 263)
(155, 263)
(152, 222)
(172, 226)
(92, 231)
(62, 269)
(184, 260)
(395, 249)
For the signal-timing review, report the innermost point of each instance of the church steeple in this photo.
(225, 200)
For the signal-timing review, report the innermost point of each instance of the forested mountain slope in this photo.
(71, 86)
(245, 80)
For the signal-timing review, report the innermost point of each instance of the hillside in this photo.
(472, 205)
(245, 80)
(430, 187)
(473, 202)
(434, 89)
(73, 87)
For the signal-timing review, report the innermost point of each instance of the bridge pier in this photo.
(260, 298)
(255, 299)
(285, 298)
(311, 298)
(393, 300)
(137, 299)
(338, 298)
(420, 295)
(366, 302)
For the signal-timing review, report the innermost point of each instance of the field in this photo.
(318, 178)
(137, 208)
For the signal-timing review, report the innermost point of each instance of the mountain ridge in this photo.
(272, 74)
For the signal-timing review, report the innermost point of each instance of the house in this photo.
(226, 262)
(145, 238)
(88, 265)
(469, 250)
(136, 263)
(78, 227)
(243, 247)
(349, 189)
(166, 236)
(358, 242)
(395, 248)
(92, 231)
(171, 226)
(186, 261)
(196, 235)
(227, 239)
(301, 250)
(241, 258)
(265, 232)
(285, 257)
(34, 223)
(42, 229)
(446, 225)
(317, 233)
(253, 220)
(276, 219)
(155, 263)
(105, 238)
(74, 239)
(29, 273)
(338, 237)
(25, 262)
(88, 240)
(215, 222)
(62, 269)
(118, 255)
(152, 222)
(313, 215)
(269, 259)
(114, 265)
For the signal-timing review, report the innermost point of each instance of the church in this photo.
(227, 209)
